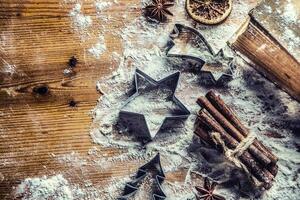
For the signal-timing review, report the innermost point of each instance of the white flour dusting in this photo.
(1, 177)
(8, 72)
(143, 44)
(72, 159)
(80, 22)
(146, 189)
(291, 17)
(8, 69)
(101, 5)
(155, 104)
(99, 48)
(290, 12)
(292, 39)
(55, 187)
(58, 188)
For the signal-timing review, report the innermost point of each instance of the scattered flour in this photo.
(290, 13)
(146, 189)
(292, 39)
(72, 159)
(98, 49)
(291, 17)
(58, 188)
(55, 187)
(155, 104)
(1, 177)
(8, 69)
(101, 5)
(80, 22)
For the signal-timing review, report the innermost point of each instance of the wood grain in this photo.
(51, 8)
(37, 37)
(269, 57)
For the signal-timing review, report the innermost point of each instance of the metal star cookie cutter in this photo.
(136, 122)
(153, 166)
(213, 68)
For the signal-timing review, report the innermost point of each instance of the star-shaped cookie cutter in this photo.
(136, 122)
(213, 67)
(153, 166)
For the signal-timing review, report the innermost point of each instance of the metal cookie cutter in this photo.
(136, 122)
(154, 167)
(213, 68)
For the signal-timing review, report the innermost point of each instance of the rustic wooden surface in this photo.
(36, 37)
(269, 57)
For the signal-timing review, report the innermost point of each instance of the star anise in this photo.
(158, 10)
(206, 192)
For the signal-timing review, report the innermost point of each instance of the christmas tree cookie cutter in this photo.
(153, 166)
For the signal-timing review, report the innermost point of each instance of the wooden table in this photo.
(37, 38)
(45, 114)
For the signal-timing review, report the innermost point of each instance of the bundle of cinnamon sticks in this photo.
(218, 125)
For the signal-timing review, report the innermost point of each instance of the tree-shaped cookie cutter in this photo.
(205, 58)
(136, 123)
(153, 166)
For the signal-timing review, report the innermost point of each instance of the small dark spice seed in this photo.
(72, 103)
(42, 90)
(73, 61)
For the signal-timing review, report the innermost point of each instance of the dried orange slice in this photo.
(209, 11)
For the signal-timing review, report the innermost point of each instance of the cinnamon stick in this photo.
(220, 105)
(230, 142)
(246, 158)
(203, 133)
(259, 155)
